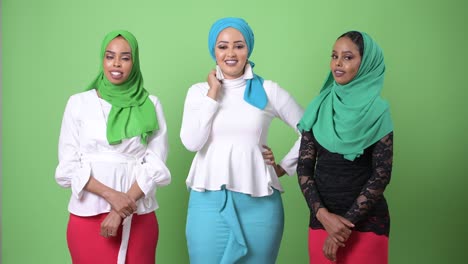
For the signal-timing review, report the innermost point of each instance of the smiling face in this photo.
(345, 60)
(231, 53)
(118, 62)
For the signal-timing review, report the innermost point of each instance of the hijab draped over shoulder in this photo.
(348, 118)
(132, 113)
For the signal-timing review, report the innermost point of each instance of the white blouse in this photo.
(228, 135)
(84, 151)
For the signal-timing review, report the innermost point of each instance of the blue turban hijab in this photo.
(254, 92)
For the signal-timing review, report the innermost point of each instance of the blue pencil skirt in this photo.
(229, 227)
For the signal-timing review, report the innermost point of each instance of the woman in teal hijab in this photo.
(345, 157)
(112, 152)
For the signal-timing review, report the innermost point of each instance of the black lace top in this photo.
(352, 189)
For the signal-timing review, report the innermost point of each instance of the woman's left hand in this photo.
(111, 224)
(269, 158)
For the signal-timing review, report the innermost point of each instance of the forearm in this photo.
(98, 188)
(306, 171)
(213, 93)
(135, 192)
(121, 202)
(372, 191)
(309, 190)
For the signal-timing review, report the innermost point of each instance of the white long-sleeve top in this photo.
(84, 152)
(228, 134)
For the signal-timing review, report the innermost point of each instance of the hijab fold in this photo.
(254, 92)
(348, 118)
(132, 113)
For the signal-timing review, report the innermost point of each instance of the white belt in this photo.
(107, 157)
(126, 225)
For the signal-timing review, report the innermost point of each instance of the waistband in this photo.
(108, 157)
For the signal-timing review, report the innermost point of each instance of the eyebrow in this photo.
(346, 51)
(125, 52)
(237, 41)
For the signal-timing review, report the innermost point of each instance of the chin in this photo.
(341, 82)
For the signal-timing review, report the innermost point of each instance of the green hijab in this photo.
(132, 113)
(348, 118)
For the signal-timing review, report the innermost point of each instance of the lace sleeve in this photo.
(306, 171)
(382, 158)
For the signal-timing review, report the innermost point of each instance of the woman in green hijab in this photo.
(345, 157)
(112, 152)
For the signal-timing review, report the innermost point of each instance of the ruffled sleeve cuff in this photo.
(152, 173)
(289, 162)
(80, 180)
(289, 166)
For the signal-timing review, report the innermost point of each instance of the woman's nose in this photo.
(338, 62)
(231, 53)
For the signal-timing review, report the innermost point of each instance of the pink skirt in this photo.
(86, 245)
(361, 247)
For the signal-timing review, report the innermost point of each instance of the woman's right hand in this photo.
(111, 224)
(337, 227)
(120, 202)
(329, 249)
(214, 83)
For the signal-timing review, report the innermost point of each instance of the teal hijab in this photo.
(254, 93)
(132, 113)
(348, 118)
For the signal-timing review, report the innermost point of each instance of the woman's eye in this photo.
(109, 57)
(222, 47)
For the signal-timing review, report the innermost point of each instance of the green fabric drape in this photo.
(132, 113)
(348, 118)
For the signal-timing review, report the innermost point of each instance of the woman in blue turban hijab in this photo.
(235, 212)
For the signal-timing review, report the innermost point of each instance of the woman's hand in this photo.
(330, 248)
(337, 227)
(215, 85)
(269, 158)
(121, 203)
(111, 224)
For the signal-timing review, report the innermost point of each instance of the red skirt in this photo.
(86, 245)
(361, 247)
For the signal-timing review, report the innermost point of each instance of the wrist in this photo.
(212, 95)
(114, 213)
(213, 92)
(214, 87)
(107, 194)
(279, 170)
(321, 213)
(135, 192)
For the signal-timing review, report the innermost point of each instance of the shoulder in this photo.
(80, 102)
(273, 88)
(82, 97)
(154, 99)
(275, 92)
(198, 89)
